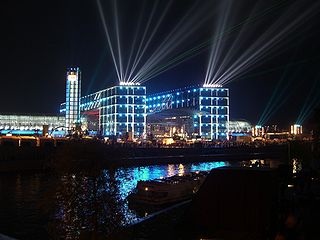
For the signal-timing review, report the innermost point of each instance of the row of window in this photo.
(191, 93)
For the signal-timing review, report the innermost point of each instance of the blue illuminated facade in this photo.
(210, 108)
(31, 124)
(123, 110)
(73, 95)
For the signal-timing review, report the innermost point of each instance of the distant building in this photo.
(240, 131)
(258, 131)
(240, 126)
(30, 124)
(271, 128)
(296, 129)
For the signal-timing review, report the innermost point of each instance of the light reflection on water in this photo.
(128, 178)
(43, 206)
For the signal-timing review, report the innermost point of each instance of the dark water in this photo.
(44, 206)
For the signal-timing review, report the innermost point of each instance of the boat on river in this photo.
(167, 190)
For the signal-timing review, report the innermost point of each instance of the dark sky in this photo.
(40, 39)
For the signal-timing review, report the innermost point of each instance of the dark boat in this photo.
(167, 190)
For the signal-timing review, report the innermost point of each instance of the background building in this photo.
(240, 126)
(240, 131)
(31, 124)
(295, 129)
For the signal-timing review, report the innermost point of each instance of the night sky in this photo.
(40, 39)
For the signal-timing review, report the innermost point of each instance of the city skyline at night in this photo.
(190, 44)
(160, 119)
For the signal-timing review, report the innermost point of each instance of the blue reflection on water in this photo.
(128, 177)
(76, 202)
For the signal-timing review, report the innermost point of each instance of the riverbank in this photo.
(78, 155)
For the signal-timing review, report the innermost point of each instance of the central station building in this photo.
(128, 110)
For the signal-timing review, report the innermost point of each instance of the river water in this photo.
(55, 206)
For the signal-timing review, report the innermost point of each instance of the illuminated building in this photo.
(204, 110)
(125, 109)
(240, 131)
(276, 135)
(73, 94)
(120, 110)
(271, 128)
(296, 129)
(31, 124)
(240, 126)
(258, 131)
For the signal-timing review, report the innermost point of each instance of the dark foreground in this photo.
(233, 203)
(83, 196)
(71, 205)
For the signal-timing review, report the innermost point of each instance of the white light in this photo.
(296, 129)
(129, 84)
(211, 85)
(72, 77)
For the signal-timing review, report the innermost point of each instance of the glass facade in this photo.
(210, 108)
(73, 94)
(240, 126)
(123, 110)
(26, 122)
